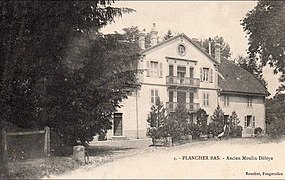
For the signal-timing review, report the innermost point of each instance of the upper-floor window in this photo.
(154, 96)
(154, 69)
(249, 101)
(206, 74)
(226, 100)
(181, 49)
(206, 99)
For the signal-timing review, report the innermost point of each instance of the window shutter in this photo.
(228, 101)
(208, 97)
(196, 95)
(151, 96)
(245, 123)
(253, 121)
(147, 68)
(160, 70)
(201, 74)
(156, 96)
(211, 75)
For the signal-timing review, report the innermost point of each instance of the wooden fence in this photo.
(4, 142)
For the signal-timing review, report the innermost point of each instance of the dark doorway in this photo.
(118, 126)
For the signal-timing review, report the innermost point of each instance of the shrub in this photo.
(233, 124)
(194, 130)
(238, 131)
(212, 129)
(217, 124)
(202, 120)
(258, 130)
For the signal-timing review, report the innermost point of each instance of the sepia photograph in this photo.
(117, 89)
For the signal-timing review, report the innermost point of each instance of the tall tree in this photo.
(54, 60)
(265, 28)
(225, 51)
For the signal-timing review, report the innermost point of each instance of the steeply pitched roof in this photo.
(186, 37)
(238, 80)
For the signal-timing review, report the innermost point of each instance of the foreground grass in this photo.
(38, 168)
(104, 153)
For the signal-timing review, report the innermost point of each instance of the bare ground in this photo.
(137, 160)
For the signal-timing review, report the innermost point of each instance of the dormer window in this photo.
(181, 49)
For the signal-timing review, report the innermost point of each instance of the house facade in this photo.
(180, 71)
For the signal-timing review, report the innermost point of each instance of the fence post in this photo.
(5, 170)
(47, 142)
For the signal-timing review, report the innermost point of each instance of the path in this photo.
(161, 163)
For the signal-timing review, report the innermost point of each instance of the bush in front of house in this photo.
(177, 123)
(202, 121)
(157, 120)
(217, 125)
(233, 122)
(258, 131)
(194, 130)
(238, 131)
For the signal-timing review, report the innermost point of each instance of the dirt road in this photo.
(236, 158)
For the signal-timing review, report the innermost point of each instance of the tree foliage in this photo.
(275, 107)
(178, 122)
(251, 66)
(157, 115)
(265, 28)
(168, 35)
(57, 70)
(132, 34)
(217, 124)
(225, 50)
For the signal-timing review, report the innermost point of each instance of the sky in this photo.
(196, 19)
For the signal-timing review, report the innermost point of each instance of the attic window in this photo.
(181, 49)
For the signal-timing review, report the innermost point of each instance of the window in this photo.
(191, 97)
(206, 99)
(226, 100)
(171, 70)
(181, 49)
(181, 71)
(249, 101)
(249, 121)
(191, 72)
(206, 75)
(153, 96)
(154, 69)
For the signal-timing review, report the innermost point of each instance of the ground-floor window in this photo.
(118, 124)
(249, 121)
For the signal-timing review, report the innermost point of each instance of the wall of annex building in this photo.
(238, 103)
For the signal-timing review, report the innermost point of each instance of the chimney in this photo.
(153, 36)
(142, 41)
(218, 52)
(210, 48)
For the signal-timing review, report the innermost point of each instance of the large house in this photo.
(180, 71)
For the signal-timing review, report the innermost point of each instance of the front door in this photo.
(181, 98)
(118, 128)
